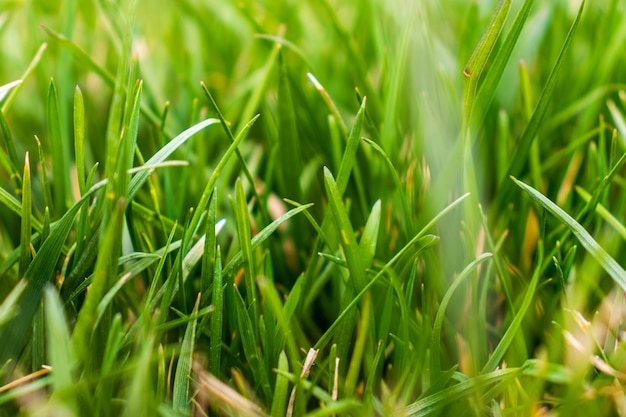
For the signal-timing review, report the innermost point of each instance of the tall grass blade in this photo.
(25, 229)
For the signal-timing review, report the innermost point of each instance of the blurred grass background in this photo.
(419, 322)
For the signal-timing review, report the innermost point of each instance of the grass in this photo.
(312, 208)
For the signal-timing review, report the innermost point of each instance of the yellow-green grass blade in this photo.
(478, 60)
(492, 77)
(79, 138)
(25, 229)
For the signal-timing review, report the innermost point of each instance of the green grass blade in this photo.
(180, 397)
(29, 71)
(81, 55)
(349, 154)
(40, 270)
(25, 236)
(369, 239)
(279, 400)
(244, 236)
(345, 231)
(492, 77)
(10, 162)
(250, 346)
(441, 311)
(140, 178)
(605, 260)
(45, 179)
(79, 138)
(208, 189)
(604, 213)
(217, 318)
(435, 402)
(530, 132)
(290, 160)
(58, 344)
(4, 89)
(59, 152)
(237, 260)
(208, 259)
(478, 59)
(9, 308)
(325, 338)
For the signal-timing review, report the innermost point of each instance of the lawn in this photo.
(321, 208)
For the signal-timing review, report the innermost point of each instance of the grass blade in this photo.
(605, 260)
(40, 270)
(25, 236)
(530, 132)
(180, 398)
(59, 345)
(441, 311)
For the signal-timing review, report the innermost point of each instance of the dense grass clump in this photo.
(315, 208)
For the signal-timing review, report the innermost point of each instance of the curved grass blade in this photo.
(140, 178)
(605, 260)
(29, 70)
(4, 89)
(435, 344)
(236, 261)
(435, 402)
